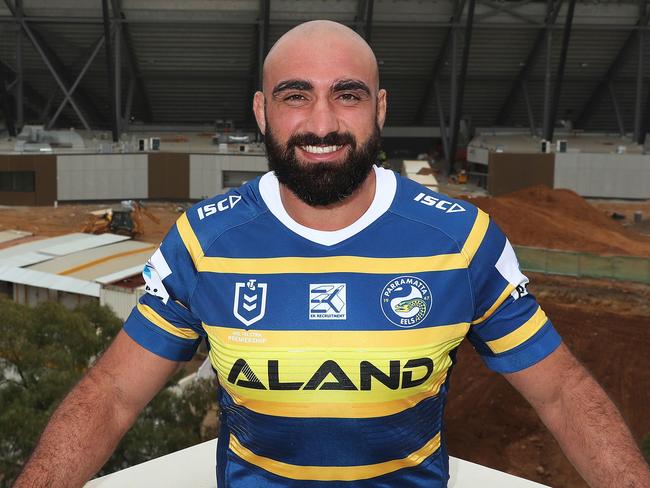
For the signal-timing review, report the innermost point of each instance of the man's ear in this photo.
(381, 108)
(259, 111)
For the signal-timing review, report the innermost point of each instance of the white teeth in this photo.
(320, 149)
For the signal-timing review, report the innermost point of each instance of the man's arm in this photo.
(584, 421)
(85, 429)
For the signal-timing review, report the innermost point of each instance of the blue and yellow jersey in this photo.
(333, 349)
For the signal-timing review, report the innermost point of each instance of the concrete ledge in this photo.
(198, 471)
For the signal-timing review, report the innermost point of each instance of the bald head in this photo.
(319, 39)
(321, 78)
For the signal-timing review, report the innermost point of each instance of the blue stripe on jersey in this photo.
(282, 242)
(545, 341)
(430, 473)
(158, 341)
(320, 441)
(451, 300)
(173, 312)
(487, 282)
(507, 318)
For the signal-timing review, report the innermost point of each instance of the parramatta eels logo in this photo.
(406, 301)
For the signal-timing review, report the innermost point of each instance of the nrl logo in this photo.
(249, 305)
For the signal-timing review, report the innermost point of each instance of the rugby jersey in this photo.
(333, 350)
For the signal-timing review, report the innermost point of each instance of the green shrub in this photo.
(44, 351)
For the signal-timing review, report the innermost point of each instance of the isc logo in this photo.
(220, 206)
(444, 205)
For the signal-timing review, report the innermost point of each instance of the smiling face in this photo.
(321, 111)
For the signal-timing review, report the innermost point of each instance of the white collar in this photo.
(385, 189)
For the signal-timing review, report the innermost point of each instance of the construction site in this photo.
(535, 112)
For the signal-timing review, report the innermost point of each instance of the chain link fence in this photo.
(551, 261)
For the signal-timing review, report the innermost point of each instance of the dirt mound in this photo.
(490, 424)
(50, 221)
(560, 219)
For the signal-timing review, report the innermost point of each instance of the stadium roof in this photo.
(196, 61)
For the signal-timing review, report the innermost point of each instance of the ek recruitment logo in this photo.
(327, 301)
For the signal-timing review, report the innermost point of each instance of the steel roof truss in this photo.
(457, 100)
(509, 8)
(368, 28)
(68, 94)
(612, 72)
(638, 99)
(33, 99)
(132, 59)
(549, 123)
(542, 35)
(20, 89)
(444, 133)
(529, 110)
(111, 70)
(617, 108)
(6, 109)
(54, 64)
(459, 6)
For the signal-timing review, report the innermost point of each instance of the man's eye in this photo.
(349, 97)
(294, 98)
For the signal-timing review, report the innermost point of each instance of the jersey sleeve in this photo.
(510, 331)
(163, 321)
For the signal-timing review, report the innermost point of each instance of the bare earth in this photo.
(605, 323)
(49, 221)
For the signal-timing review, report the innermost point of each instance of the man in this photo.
(333, 295)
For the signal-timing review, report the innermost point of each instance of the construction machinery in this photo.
(124, 220)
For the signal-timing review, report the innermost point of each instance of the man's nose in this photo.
(322, 118)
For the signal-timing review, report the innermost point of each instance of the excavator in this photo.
(124, 220)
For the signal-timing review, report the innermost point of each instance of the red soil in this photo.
(560, 219)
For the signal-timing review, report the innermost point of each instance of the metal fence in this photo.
(551, 261)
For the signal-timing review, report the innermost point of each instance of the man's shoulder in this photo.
(210, 218)
(423, 205)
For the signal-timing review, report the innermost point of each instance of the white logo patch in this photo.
(327, 301)
(508, 266)
(444, 205)
(220, 206)
(249, 304)
(155, 271)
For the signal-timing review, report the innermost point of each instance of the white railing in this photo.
(195, 467)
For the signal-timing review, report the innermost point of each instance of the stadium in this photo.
(118, 116)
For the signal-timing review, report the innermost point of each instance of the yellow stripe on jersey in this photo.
(373, 373)
(189, 238)
(335, 410)
(333, 264)
(325, 340)
(334, 473)
(502, 298)
(152, 316)
(337, 264)
(476, 235)
(519, 335)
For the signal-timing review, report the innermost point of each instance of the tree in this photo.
(645, 447)
(44, 351)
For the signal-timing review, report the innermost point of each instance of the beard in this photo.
(322, 183)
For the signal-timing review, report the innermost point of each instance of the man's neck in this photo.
(331, 217)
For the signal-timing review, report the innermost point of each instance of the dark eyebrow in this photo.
(292, 85)
(344, 85)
